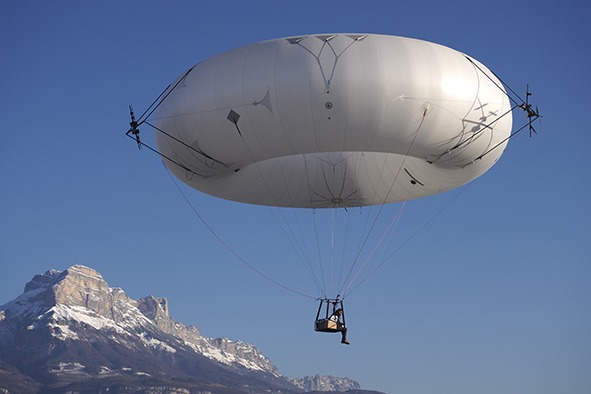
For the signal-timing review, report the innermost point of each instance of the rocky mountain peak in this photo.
(71, 325)
(84, 287)
(326, 383)
(154, 308)
(40, 281)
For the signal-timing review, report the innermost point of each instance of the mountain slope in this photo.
(69, 330)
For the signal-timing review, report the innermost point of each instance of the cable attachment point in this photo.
(133, 131)
(531, 114)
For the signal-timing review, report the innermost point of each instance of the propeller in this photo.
(531, 114)
(133, 128)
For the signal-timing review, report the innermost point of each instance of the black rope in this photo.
(154, 102)
(496, 84)
(198, 151)
(484, 127)
(524, 105)
(164, 156)
(500, 143)
(168, 92)
(134, 131)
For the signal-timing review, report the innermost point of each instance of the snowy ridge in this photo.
(79, 296)
(98, 332)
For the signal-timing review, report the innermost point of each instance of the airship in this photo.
(333, 121)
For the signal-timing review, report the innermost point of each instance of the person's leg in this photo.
(344, 336)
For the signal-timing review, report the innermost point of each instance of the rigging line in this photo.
(332, 236)
(319, 254)
(308, 264)
(293, 239)
(312, 215)
(225, 245)
(322, 289)
(496, 84)
(304, 259)
(299, 249)
(500, 143)
(287, 229)
(345, 245)
(166, 157)
(370, 209)
(302, 254)
(332, 248)
(198, 151)
(416, 133)
(390, 236)
(363, 242)
(370, 212)
(337, 57)
(484, 127)
(444, 207)
(333, 204)
(140, 121)
(326, 43)
(202, 111)
(301, 244)
(389, 230)
(153, 102)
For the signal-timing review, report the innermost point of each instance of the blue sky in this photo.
(492, 295)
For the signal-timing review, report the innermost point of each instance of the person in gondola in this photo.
(336, 317)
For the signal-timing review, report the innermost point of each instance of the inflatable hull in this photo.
(336, 120)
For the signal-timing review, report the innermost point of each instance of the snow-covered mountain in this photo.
(69, 331)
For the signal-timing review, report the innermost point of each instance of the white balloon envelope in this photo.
(337, 120)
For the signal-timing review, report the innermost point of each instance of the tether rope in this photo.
(413, 235)
(228, 247)
(383, 202)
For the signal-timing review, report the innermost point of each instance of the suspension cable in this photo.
(416, 133)
(227, 246)
(496, 83)
(413, 235)
(165, 93)
(306, 262)
(389, 230)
